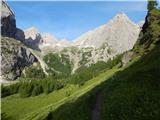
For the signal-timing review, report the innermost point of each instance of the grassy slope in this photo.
(131, 94)
(40, 106)
(135, 91)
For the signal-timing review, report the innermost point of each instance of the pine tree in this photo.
(152, 4)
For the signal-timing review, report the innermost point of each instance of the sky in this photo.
(68, 20)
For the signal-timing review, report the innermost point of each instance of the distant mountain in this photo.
(100, 44)
(120, 33)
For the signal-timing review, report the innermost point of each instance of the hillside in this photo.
(132, 93)
(95, 79)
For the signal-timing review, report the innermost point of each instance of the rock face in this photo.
(8, 22)
(32, 38)
(43, 41)
(120, 34)
(15, 57)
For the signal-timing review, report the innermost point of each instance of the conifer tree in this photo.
(152, 4)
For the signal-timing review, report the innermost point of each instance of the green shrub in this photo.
(9, 90)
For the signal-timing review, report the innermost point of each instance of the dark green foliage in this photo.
(152, 4)
(150, 35)
(32, 88)
(9, 90)
(34, 71)
(37, 90)
(86, 73)
(80, 109)
(26, 89)
(135, 91)
(37, 87)
(4, 116)
(59, 66)
(116, 60)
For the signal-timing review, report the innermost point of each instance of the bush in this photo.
(26, 89)
(9, 90)
(37, 90)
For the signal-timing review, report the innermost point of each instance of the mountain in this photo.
(120, 33)
(15, 55)
(64, 43)
(120, 27)
(43, 41)
(8, 22)
(101, 44)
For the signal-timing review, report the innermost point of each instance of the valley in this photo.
(108, 73)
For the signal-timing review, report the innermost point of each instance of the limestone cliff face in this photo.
(8, 22)
(15, 57)
(120, 33)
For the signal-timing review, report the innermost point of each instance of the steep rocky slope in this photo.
(15, 57)
(8, 22)
(120, 33)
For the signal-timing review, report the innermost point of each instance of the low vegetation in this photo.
(27, 88)
(86, 73)
(39, 106)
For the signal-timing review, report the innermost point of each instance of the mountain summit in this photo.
(120, 33)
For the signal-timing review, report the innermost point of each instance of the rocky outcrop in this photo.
(43, 41)
(32, 38)
(8, 22)
(15, 57)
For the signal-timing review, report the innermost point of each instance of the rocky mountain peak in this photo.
(31, 33)
(8, 22)
(120, 33)
(48, 38)
(64, 43)
(120, 16)
(6, 11)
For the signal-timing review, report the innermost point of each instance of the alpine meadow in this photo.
(107, 71)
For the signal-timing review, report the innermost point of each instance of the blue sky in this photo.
(70, 19)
